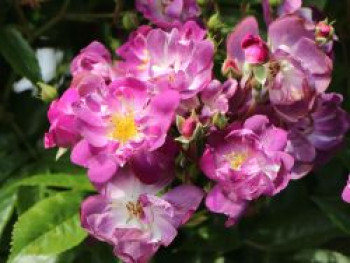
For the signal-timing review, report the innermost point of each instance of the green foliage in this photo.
(320, 256)
(19, 54)
(50, 227)
(7, 204)
(76, 182)
(40, 197)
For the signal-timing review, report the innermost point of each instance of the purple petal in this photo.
(218, 202)
(156, 167)
(346, 192)
(81, 153)
(274, 139)
(207, 164)
(287, 31)
(256, 123)
(101, 169)
(234, 49)
(315, 61)
(267, 11)
(185, 199)
(289, 7)
(162, 111)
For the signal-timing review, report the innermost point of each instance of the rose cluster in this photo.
(151, 125)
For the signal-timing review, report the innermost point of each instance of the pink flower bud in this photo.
(255, 49)
(188, 127)
(324, 30)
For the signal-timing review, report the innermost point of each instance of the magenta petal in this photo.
(267, 11)
(91, 206)
(185, 199)
(274, 139)
(287, 31)
(101, 169)
(218, 202)
(248, 26)
(156, 167)
(162, 111)
(207, 164)
(256, 123)
(315, 61)
(346, 193)
(131, 247)
(289, 7)
(81, 153)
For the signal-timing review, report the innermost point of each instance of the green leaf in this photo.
(77, 182)
(27, 196)
(50, 227)
(306, 228)
(212, 237)
(18, 53)
(260, 73)
(320, 256)
(7, 204)
(336, 210)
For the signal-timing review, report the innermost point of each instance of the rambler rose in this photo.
(94, 59)
(247, 161)
(255, 50)
(181, 58)
(118, 120)
(131, 216)
(317, 134)
(63, 130)
(168, 13)
(296, 71)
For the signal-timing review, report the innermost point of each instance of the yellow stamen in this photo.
(134, 209)
(236, 160)
(124, 127)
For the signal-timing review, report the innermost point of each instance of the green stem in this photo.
(87, 17)
(51, 22)
(17, 130)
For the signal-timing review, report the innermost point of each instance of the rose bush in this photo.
(184, 130)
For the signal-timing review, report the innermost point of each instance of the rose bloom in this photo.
(247, 161)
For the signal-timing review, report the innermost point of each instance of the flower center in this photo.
(124, 127)
(134, 209)
(236, 160)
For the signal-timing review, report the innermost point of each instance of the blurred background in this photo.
(38, 38)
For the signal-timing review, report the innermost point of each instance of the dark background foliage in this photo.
(308, 222)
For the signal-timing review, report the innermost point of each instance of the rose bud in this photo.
(255, 50)
(188, 127)
(324, 31)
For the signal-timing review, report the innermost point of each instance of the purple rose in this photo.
(168, 13)
(129, 214)
(247, 161)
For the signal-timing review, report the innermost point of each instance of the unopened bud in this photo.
(47, 93)
(230, 67)
(188, 127)
(324, 31)
(255, 50)
(214, 22)
(129, 20)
